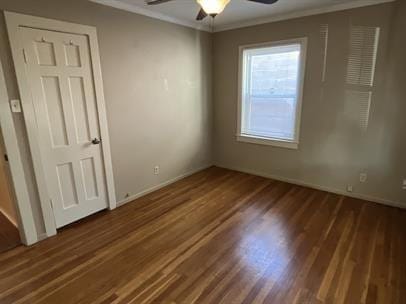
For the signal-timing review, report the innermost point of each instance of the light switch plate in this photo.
(15, 106)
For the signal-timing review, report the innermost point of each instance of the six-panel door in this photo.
(61, 81)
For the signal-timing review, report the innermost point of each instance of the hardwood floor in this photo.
(9, 235)
(219, 237)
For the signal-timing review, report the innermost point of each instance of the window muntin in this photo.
(271, 90)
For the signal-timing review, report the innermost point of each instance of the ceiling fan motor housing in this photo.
(210, 7)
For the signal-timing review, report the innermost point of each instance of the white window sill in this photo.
(267, 141)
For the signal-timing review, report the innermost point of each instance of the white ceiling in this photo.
(238, 13)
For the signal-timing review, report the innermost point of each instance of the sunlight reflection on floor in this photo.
(266, 250)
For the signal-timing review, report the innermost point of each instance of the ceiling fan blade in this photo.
(264, 1)
(155, 2)
(201, 15)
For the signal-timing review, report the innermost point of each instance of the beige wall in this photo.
(333, 150)
(157, 82)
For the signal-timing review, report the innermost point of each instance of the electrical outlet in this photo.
(363, 177)
(404, 184)
(349, 188)
(156, 170)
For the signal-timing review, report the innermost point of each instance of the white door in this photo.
(60, 78)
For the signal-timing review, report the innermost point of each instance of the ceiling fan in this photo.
(210, 7)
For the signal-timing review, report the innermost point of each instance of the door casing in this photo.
(26, 225)
(14, 21)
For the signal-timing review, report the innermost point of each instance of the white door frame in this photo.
(25, 218)
(14, 21)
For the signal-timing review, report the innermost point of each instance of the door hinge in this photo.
(25, 56)
(52, 203)
(6, 157)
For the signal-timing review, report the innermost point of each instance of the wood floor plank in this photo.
(219, 236)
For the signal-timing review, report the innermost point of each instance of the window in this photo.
(271, 85)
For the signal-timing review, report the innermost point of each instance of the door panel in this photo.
(54, 111)
(89, 178)
(61, 81)
(45, 53)
(72, 55)
(67, 187)
(77, 91)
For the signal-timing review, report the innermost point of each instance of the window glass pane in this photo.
(271, 91)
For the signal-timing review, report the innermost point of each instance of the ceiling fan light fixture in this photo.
(213, 7)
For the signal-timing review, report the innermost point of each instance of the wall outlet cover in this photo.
(363, 177)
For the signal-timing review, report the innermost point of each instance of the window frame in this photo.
(255, 139)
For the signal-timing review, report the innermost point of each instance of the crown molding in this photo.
(220, 28)
(149, 13)
(305, 13)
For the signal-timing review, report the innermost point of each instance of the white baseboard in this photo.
(373, 199)
(161, 185)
